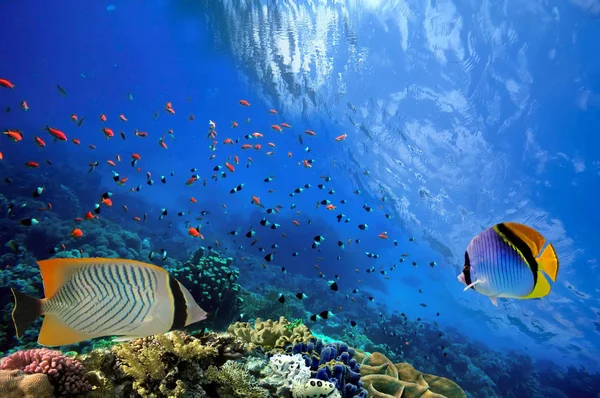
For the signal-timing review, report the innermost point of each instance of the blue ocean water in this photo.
(459, 115)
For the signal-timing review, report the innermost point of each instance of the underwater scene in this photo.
(299, 198)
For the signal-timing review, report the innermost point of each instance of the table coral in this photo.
(270, 334)
(67, 375)
(382, 378)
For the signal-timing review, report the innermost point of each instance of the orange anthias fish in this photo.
(76, 233)
(39, 141)
(287, 126)
(230, 166)
(103, 117)
(276, 128)
(383, 235)
(272, 111)
(14, 135)
(341, 137)
(24, 105)
(244, 103)
(108, 133)
(56, 133)
(7, 84)
(195, 233)
(122, 117)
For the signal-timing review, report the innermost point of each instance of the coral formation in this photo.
(233, 380)
(212, 282)
(17, 384)
(287, 373)
(67, 375)
(381, 376)
(335, 363)
(270, 334)
(168, 364)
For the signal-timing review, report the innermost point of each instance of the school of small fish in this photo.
(258, 144)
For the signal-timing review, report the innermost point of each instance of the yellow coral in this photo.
(144, 360)
(233, 378)
(270, 334)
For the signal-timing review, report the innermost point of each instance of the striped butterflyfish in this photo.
(507, 260)
(87, 298)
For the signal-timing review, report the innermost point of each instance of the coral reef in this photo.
(381, 376)
(233, 380)
(67, 375)
(334, 363)
(17, 384)
(270, 334)
(212, 282)
(286, 373)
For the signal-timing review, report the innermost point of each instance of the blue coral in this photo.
(335, 363)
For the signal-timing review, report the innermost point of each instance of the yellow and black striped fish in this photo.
(509, 260)
(95, 297)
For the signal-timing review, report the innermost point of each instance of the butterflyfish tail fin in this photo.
(27, 310)
(530, 236)
(56, 333)
(548, 262)
(541, 288)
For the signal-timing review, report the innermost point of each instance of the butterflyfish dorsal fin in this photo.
(55, 333)
(530, 236)
(548, 262)
(55, 272)
(541, 288)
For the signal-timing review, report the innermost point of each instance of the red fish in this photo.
(108, 133)
(7, 84)
(242, 102)
(76, 233)
(276, 128)
(341, 137)
(32, 165)
(56, 133)
(39, 141)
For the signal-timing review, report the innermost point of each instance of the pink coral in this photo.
(67, 375)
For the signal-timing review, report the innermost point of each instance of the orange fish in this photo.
(24, 105)
(287, 126)
(76, 141)
(270, 153)
(271, 145)
(7, 84)
(76, 233)
(135, 156)
(108, 132)
(142, 134)
(74, 117)
(246, 146)
(136, 218)
(169, 108)
(103, 117)
(14, 135)
(306, 163)
(56, 133)
(122, 117)
(382, 235)
(32, 165)
(341, 137)
(89, 215)
(255, 200)
(112, 163)
(193, 200)
(272, 111)
(257, 135)
(296, 223)
(257, 147)
(310, 132)
(230, 167)
(39, 141)
(236, 159)
(1, 156)
(191, 180)
(330, 207)
(107, 202)
(195, 233)
(242, 102)
(234, 124)
(276, 128)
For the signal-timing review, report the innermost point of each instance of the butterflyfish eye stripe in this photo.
(521, 247)
(179, 304)
(467, 270)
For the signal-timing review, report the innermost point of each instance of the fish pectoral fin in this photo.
(473, 284)
(125, 338)
(55, 332)
(541, 288)
(494, 300)
(548, 262)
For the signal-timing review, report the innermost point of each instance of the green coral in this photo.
(155, 363)
(233, 379)
(294, 324)
(270, 334)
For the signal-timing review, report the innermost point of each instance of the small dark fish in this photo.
(281, 298)
(28, 222)
(301, 296)
(61, 90)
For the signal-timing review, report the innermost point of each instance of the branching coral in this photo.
(67, 375)
(166, 365)
(233, 379)
(270, 334)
